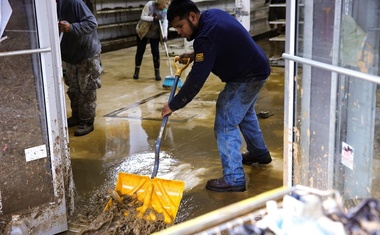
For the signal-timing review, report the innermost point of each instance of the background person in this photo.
(148, 28)
(275, 14)
(80, 49)
(224, 47)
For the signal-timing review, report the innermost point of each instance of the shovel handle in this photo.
(166, 117)
(161, 132)
(179, 70)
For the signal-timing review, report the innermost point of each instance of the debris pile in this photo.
(121, 217)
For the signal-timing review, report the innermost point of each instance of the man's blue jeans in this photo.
(235, 108)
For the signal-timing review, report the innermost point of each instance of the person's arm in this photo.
(204, 58)
(165, 26)
(146, 13)
(86, 20)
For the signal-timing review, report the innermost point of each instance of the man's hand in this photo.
(166, 110)
(64, 26)
(183, 58)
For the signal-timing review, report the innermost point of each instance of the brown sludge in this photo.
(122, 218)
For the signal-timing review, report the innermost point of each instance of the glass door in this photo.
(332, 77)
(35, 179)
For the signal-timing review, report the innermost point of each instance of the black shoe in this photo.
(157, 74)
(72, 121)
(220, 185)
(84, 129)
(248, 159)
(136, 74)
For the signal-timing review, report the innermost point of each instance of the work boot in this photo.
(157, 74)
(220, 185)
(137, 71)
(84, 129)
(248, 159)
(72, 121)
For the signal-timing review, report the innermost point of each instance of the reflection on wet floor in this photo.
(127, 125)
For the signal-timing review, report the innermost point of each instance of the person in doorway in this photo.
(276, 13)
(80, 49)
(148, 28)
(224, 47)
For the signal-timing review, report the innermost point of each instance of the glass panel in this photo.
(20, 32)
(357, 142)
(312, 121)
(337, 118)
(23, 184)
(315, 37)
(357, 26)
(355, 138)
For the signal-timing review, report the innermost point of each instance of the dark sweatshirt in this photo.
(224, 47)
(82, 41)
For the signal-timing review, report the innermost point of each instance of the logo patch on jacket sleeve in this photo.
(199, 57)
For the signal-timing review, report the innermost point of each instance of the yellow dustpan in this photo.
(160, 195)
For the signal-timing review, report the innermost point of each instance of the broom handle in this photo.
(166, 47)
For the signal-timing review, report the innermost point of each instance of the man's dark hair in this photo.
(181, 8)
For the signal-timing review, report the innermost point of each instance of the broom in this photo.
(169, 80)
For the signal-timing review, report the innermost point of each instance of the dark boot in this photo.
(220, 185)
(73, 121)
(249, 159)
(84, 128)
(157, 74)
(137, 71)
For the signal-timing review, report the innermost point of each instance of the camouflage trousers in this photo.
(83, 80)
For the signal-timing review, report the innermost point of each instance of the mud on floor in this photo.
(121, 217)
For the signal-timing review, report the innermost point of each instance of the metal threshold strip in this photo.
(332, 68)
(25, 52)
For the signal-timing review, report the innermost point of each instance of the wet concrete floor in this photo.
(127, 126)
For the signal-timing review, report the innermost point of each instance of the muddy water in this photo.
(127, 127)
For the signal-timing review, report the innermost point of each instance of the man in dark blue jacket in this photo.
(80, 49)
(224, 47)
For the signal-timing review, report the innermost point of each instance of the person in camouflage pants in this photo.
(80, 50)
(83, 80)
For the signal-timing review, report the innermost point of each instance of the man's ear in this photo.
(193, 17)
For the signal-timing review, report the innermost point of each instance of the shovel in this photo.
(160, 195)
